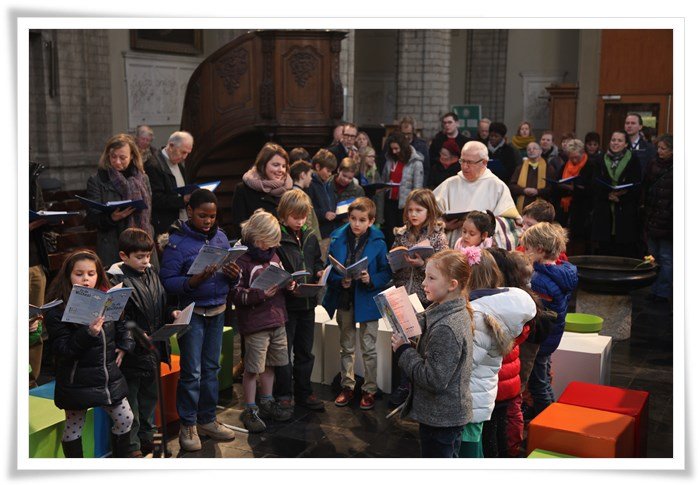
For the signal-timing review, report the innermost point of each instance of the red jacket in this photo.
(509, 375)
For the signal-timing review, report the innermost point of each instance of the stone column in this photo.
(347, 74)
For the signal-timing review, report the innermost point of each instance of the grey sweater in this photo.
(440, 369)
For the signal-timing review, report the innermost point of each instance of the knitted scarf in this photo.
(275, 188)
(131, 184)
(521, 142)
(616, 163)
(572, 170)
(522, 179)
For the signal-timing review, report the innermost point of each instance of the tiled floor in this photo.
(642, 362)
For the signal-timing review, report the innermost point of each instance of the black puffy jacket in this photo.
(300, 254)
(86, 370)
(658, 199)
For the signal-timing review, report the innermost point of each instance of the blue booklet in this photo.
(110, 207)
(86, 304)
(53, 217)
(189, 188)
(342, 207)
(561, 181)
(616, 187)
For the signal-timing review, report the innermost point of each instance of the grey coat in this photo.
(440, 369)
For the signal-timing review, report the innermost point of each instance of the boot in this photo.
(120, 445)
(73, 449)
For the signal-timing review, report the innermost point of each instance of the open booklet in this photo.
(308, 290)
(562, 181)
(180, 324)
(111, 206)
(373, 187)
(35, 310)
(275, 276)
(342, 207)
(397, 256)
(398, 310)
(189, 188)
(353, 271)
(451, 215)
(615, 187)
(52, 217)
(219, 256)
(86, 304)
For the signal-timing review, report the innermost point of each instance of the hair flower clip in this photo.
(473, 254)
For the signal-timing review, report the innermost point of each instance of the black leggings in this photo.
(494, 436)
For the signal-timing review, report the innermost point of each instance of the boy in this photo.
(553, 281)
(343, 185)
(301, 173)
(147, 306)
(298, 250)
(354, 299)
(323, 163)
(539, 211)
(261, 321)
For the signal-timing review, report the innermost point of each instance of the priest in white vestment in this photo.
(475, 187)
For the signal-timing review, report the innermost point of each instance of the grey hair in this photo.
(575, 145)
(140, 129)
(179, 137)
(478, 147)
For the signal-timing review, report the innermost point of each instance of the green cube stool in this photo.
(46, 424)
(583, 323)
(226, 360)
(538, 453)
(174, 347)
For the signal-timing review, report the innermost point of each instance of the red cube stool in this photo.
(168, 381)
(582, 432)
(615, 400)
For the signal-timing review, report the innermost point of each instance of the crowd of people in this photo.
(500, 216)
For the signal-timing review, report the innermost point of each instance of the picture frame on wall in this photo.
(167, 41)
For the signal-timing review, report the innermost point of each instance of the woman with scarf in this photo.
(262, 186)
(658, 216)
(120, 176)
(573, 209)
(523, 138)
(615, 211)
(529, 180)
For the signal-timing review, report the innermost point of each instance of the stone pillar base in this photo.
(615, 310)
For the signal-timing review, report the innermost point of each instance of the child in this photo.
(553, 281)
(539, 211)
(342, 184)
(261, 316)
(421, 222)
(301, 173)
(354, 299)
(147, 307)
(88, 358)
(441, 366)
(298, 250)
(324, 164)
(477, 230)
(499, 316)
(200, 346)
(368, 173)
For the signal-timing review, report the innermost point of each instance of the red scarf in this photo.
(571, 170)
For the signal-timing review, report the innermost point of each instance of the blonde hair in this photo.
(485, 273)
(347, 163)
(262, 226)
(294, 203)
(549, 237)
(575, 145)
(454, 266)
(118, 141)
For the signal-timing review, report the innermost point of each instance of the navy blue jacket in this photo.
(554, 283)
(322, 199)
(378, 269)
(180, 252)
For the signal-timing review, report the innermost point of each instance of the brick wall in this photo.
(67, 130)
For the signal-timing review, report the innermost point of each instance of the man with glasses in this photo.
(475, 187)
(346, 147)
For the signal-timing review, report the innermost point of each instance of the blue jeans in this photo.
(662, 250)
(440, 442)
(540, 384)
(198, 388)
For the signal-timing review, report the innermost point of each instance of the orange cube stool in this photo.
(169, 378)
(615, 400)
(582, 432)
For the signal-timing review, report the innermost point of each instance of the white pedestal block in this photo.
(318, 347)
(581, 357)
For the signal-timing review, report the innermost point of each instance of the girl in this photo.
(523, 138)
(200, 346)
(440, 366)
(363, 141)
(499, 316)
(369, 174)
(88, 358)
(477, 230)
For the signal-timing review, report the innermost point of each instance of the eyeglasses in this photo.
(349, 136)
(472, 163)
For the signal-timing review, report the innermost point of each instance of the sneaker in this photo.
(251, 420)
(216, 431)
(311, 402)
(399, 395)
(344, 397)
(189, 439)
(286, 404)
(272, 410)
(367, 401)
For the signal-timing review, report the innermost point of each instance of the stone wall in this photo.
(487, 52)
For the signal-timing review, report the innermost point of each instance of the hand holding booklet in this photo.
(35, 310)
(342, 207)
(397, 309)
(353, 271)
(179, 326)
(86, 304)
(111, 206)
(308, 290)
(188, 189)
(209, 255)
(275, 276)
(397, 256)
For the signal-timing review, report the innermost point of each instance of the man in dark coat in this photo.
(346, 147)
(502, 156)
(645, 150)
(450, 129)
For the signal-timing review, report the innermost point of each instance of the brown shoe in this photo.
(367, 401)
(344, 397)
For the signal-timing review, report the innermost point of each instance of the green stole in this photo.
(615, 176)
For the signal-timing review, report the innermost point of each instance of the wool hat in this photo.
(451, 146)
(498, 127)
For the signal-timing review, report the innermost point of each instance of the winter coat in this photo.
(148, 308)
(322, 200)
(658, 200)
(412, 277)
(352, 191)
(180, 249)
(254, 311)
(298, 254)
(411, 178)
(646, 153)
(502, 162)
(166, 201)
(436, 145)
(554, 284)
(100, 189)
(87, 374)
(578, 218)
(246, 201)
(440, 368)
(378, 269)
(509, 375)
(509, 309)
